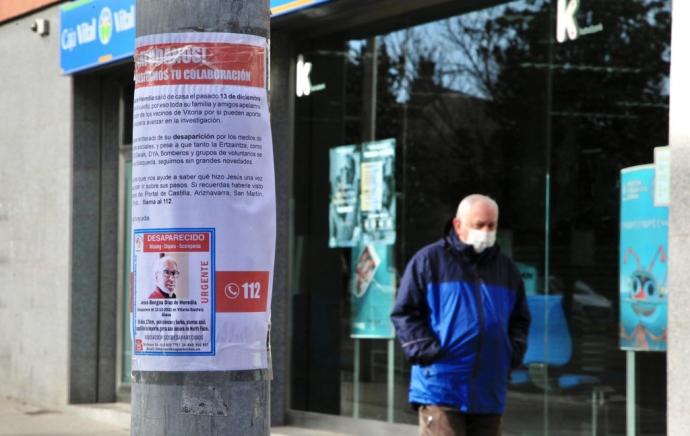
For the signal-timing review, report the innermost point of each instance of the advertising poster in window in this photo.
(203, 203)
(377, 192)
(373, 291)
(643, 263)
(343, 213)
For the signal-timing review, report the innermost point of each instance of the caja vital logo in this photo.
(105, 26)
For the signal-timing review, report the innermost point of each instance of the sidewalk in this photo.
(19, 418)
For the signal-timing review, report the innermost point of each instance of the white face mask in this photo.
(480, 239)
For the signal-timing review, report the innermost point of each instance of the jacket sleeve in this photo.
(519, 325)
(410, 316)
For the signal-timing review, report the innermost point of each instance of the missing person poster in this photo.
(643, 263)
(343, 213)
(203, 203)
(178, 315)
(377, 193)
(373, 291)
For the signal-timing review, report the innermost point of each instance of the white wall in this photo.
(678, 364)
(35, 203)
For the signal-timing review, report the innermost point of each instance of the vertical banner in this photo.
(377, 197)
(343, 212)
(643, 263)
(373, 291)
(203, 203)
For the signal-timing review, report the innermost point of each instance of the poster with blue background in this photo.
(372, 291)
(343, 211)
(643, 263)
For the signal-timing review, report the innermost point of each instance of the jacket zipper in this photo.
(480, 310)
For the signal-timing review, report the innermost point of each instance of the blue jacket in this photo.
(462, 320)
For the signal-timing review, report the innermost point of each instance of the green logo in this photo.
(105, 26)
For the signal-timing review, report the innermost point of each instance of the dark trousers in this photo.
(447, 421)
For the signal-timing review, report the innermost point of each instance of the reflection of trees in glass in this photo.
(474, 91)
(609, 95)
(386, 108)
(466, 97)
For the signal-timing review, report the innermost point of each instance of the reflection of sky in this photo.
(454, 51)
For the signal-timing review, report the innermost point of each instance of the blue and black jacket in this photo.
(462, 320)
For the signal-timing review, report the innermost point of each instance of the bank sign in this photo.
(95, 32)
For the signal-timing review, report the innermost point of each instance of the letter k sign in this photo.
(566, 24)
(303, 80)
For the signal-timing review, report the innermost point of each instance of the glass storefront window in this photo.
(488, 101)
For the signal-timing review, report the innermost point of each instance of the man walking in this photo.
(462, 320)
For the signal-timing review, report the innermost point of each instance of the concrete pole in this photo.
(201, 403)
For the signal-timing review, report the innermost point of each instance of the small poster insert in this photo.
(173, 290)
(202, 161)
(373, 291)
(377, 191)
(343, 212)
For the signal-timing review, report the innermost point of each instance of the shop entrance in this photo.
(485, 101)
(99, 347)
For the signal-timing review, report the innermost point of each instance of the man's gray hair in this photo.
(160, 262)
(467, 203)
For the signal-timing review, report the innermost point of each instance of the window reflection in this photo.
(488, 102)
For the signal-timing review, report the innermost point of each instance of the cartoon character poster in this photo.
(643, 263)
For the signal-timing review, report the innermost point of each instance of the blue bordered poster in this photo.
(643, 263)
(174, 273)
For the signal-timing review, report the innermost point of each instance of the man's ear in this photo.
(456, 224)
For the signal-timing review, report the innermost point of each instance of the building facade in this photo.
(384, 114)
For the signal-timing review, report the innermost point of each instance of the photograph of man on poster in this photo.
(165, 277)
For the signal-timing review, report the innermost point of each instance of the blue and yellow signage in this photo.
(95, 32)
(280, 7)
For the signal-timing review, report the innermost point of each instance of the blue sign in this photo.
(95, 32)
(280, 7)
(643, 263)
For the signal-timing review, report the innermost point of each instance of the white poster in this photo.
(372, 185)
(203, 203)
